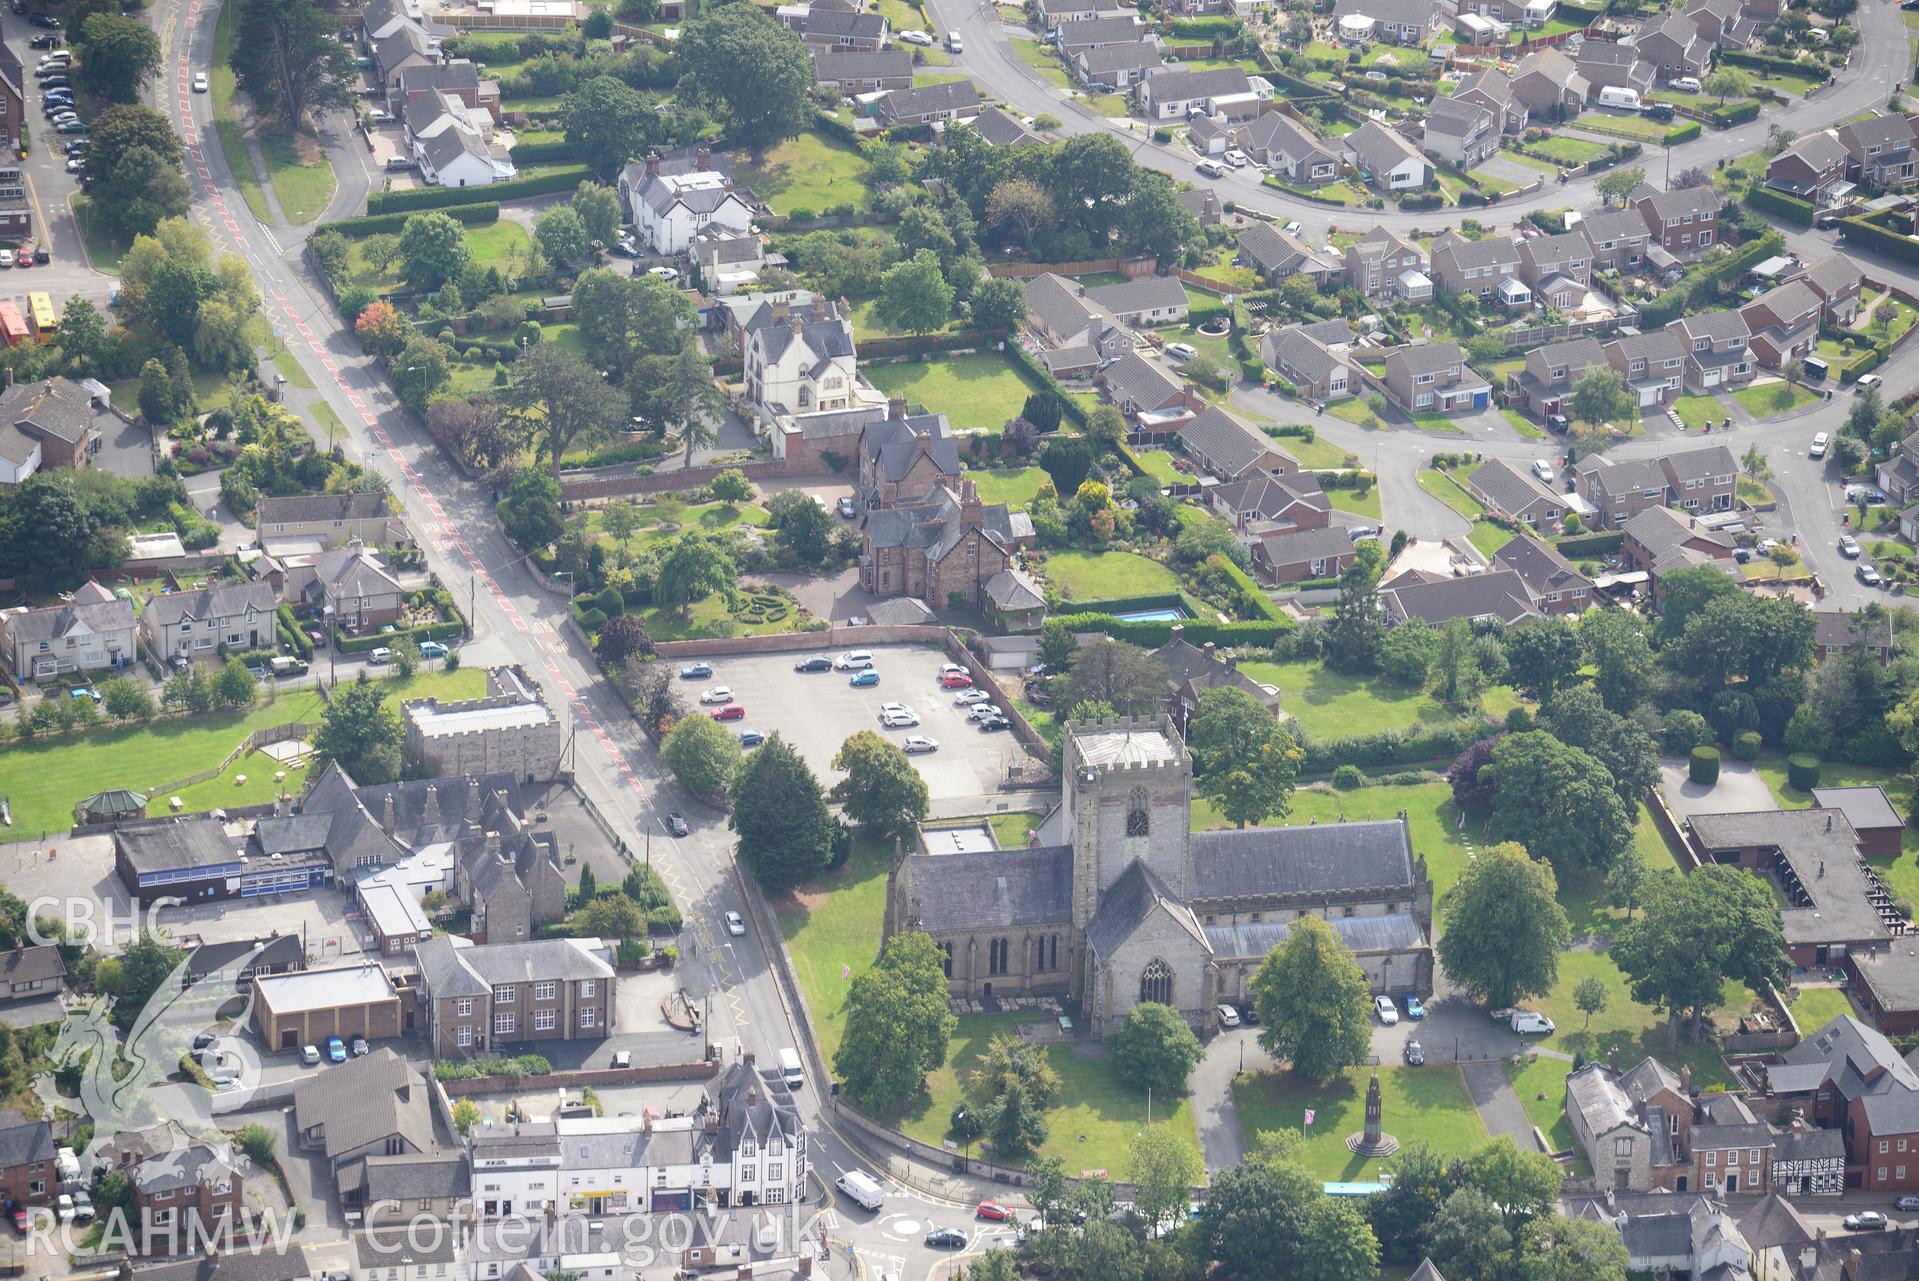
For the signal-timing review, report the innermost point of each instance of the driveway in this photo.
(1739, 790)
(1497, 1103)
(126, 450)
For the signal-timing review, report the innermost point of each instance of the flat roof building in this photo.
(305, 1008)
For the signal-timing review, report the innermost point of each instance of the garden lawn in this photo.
(1773, 398)
(1635, 1029)
(1429, 1105)
(1361, 502)
(498, 243)
(1537, 1075)
(1086, 576)
(1010, 829)
(977, 391)
(1016, 486)
(1525, 426)
(1488, 537)
(302, 179)
(1567, 151)
(807, 172)
(1043, 60)
(831, 922)
(1901, 875)
(1158, 464)
(1354, 410)
(1446, 489)
(1328, 704)
(1314, 454)
(43, 779)
(1814, 1007)
(711, 617)
(1697, 412)
(1637, 128)
(708, 518)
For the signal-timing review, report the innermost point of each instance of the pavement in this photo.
(1740, 789)
(1497, 1103)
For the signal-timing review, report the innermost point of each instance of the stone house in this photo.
(93, 631)
(481, 999)
(940, 549)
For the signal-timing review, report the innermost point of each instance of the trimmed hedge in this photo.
(1768, 62)
(291, 634)
(533, 153)
(1736, 114)
(479, 215)
(1389, 748)
(1868, 234)
(1745, 745)
(432, 631)
(562, 178)
(1703, 766)
(1422, 200)
(1679, 299)
(1589, 544)
(1690, 130)
(1791, 208)
(1802, 771)
(1073, 411)
(1153, 634)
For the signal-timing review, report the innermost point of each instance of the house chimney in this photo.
(1178, 632)
(896, 408)
(1208, 648)
(703, 157)
(970, 506)
(432, 816)
(472, 799)
(1685, 1077)
(1612, 1058)
(652, 164)
(386, 815)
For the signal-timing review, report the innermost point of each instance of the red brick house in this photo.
(1684, 221)
(1848, 1076)
(943, 548)
(1839, 632)
(27, 1171)
(185, 1195)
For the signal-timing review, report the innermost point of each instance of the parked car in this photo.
(717, 694)
(1415, 1010)
(967, 698)
(1865, 1221)
(432, 649)
(676, 823)
(993, 1211)
(816, 663)
(622, 1058)
(1228, 1016)
(45, 22)
(847, 510)
(1906, 1202)
(898, 716)
(72, 126)
(1415, 1054)
(1543, 470)
(922, 38)
(46, 40)
(731, 712)
(956, 680)
(1867, 380)
(1849, 547)
(200, 82)
(310, 1055)
(1387, 1011)
(380, 657)
(994, 725)
(735, 924)
(1867, 575)
(853, 661)
(984, 712)
(335, 1050)
(751, 738)
(359, 1047)
(1181, 350)
(865, 679)
(694, 671)
(916, 744)
(22, 1218)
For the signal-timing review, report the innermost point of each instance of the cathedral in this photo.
(1118, 901)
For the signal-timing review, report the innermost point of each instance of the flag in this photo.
(846, 971)
(1309, 1116)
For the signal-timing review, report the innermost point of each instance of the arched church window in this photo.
(1139, 819)
(946, 959)
(1156, 983)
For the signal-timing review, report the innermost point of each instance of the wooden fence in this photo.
(258, 738)
(1026, 270)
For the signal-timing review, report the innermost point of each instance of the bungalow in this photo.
(854, 72)
(1836, 280)
(1516, 495)
(1292, 556)
(1201, 202)
(1608, 65)
(1290, 149)
(1438, 599)
(1485, 269)
(1230, 449)
(1683, 222)
(1862, 632)
(932, 104)
(1878, 150)
(1716, 352)
(1386, 160)
(1138, 386)
(1117, 67)
(823, 28)
(1461, 132)
(1275, 255)
(1550, 373)
(456, 158)
(1653, 365)
(1144, 302)
(1434, 378)
(1550, 85)
(1174, 95)
(1057, 310)
(1812, 168)
(1555, 585)
(1403, 22)
(1073, 38)
(1673, 46)
(1382, 264)
(1615, 239)
(1054, 12)
(1784, 323)
(1271, 501)
(1315, 368)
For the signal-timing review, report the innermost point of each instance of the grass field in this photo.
(982, 390)
(1637, 128)
(1427, 1105)
(1448, 490)
(1569, 151)
(807, 172)
(1328, 704)
(1316, 454)
(1773, 398)
(297, 167)
(1814, 1007)
(1355, 411)
(1108, 575)
(1360, 502)
(1537, 1076)
(1014, 485)
(708, 518)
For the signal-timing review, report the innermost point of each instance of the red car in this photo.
(994, 1210)
(955, 680)
(731, 712)
(22, 1220)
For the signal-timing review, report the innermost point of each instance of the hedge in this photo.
(1791, 208)
(1390, 747)
(1588, 544)
(432, 631)
(1745, 745)
(1073, 411)
(1679, 299)
(1422, 200)
(1802, 771)
(291, 634)
(1130, 604)
(1252, 596)
(562, 178)
(1870, 235)
(1153, 634)
(1688, 131)
(1736, 114)
(1768, 62)
(533, 153)
(477, 215)
(1704, 765)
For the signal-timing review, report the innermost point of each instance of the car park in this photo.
(676, 823)
(1849, 547)
(751, 738)
(72, 126)
(919, 744)
(731, 712)
(693, 671)
(1867, 575)
(1415, 1054)
(904, 719)
(717, 694)
(735, 924)
(1228, 1016)
(865, 679)
(983, 712)
(45, 40)
(956, 680)
(75, 165)
(816, 663)
(1388, 1012)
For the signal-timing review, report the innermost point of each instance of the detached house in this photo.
(1144, 302)
(800, 359)
(1660, 541)
(1550, 85)
(1230, 449)
(1836, 280)
(1461, 132)
(671, 203)
(1388, 162)
(1653, 365)
(853, 72)
(1290, 149)
(328, 519)
(1118, 67)
(1673, 46)
(1493, 90)
(1293, 556)
(1434, 379)
(1072, 38)
(92, 631)
(190, 625)
(1878, 150)
(1404, 22)
(352, 584)
(1784, 322)
(1174, 95)
(1054, 12)
(479, 999)
(1382, 264)
(823, 28)
(1556, 268)
(1683, 222)
(1607, 65)
(1275, 255)
(1717, 355)
(1271, 501)
(1486, 269)
(1550, 374)
(1812, 168)
(1616, 239)
(55, 422)
(1556, 586)
(1316, 367)
(931, 105)
(1516, 495)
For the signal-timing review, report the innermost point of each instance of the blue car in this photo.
(432, 649)
(81, 691)
(751, 738)
(1414, 1010)
(862, 679)
(693, 671)
(335, 1050)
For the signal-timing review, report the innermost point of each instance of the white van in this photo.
(1614, 96)
(790, 1071)
(862, 1187)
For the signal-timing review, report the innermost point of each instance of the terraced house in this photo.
(1312, 358)
(89, 633)
(185, 626)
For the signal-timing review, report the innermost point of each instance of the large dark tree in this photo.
(610, 124)
(1503, 928)
(361, 732)
(1578, 718)
(1695, 932)
(897, 1024)
(780, 816)
(756, 72)
(1542, 656)
(289, 60)
(118, 56)
(136, 171)
(1245, 758)
(1559, 801)
(563, 401)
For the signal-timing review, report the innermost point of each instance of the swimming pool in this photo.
(1172, 615)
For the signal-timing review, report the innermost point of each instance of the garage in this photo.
(1481, 399)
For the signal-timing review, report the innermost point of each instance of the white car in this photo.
(916, 744)
(1181, 350)
(922, 38)
(200, 82)
(1238, 159)
(735, 924)
(967, 697)
(953, 669)
(1865, 381)
(983, 712)
(1527, 1023)
(1293, 228)
(1543, 470)
(718, 694)
(1819, 444)
(853, 662)
(1387, 1011)
(1228, 1016)
(902, 719)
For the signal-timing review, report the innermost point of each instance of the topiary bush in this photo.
(609, 602)
(1348, 778)
(1703, 766)
(592, 620)
(1745, 745)
(1802, 771)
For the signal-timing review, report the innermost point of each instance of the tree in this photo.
(999, 305)
(1257, 1216)
(1406, 652)
(1314, 1000)
(1067, 461)
(609, 123)
(137, 174)
(599, 210)
(732, 486)
(1469, 1237)
(1163, 1168)
(881, 792)
(234, 686)
(147, 963)
(564, 401)
(780, 816)
(702, 755)
(1473, 783)
(433, 250)
(914, 296)
(1503, 927)
(126, 700)
(288, 60)
(1578, 718)
(1557, 799)
(1353, 636)
(361, 732)
(561, 233)
(619, 521)
(155, 396)
(466, 1115)
(803, 526)
(380, 329)
(1795, 372)
(755, 72)
(118, 56)
(419, 370)
(1021, 206)
(1696, 931)
(1556, 1248)
(1245, 758)
(1600, 395)
(1728, 82)
(1154, 1049)
(1542, 656)
(694, 568)
(83, 336)
(1626, 879)
(1614, 644)
(1458, 677)
(1123, 677)
(1153, 221)
(1617, 184)
(1522, 1184)
(622, 639)
(1752, 462)
(1402, 1214)
(1339, 1244)
(1589, 996)
(897, 1024)
(530, 512)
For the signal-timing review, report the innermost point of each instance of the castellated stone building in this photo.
(510, 731)
(1118, 901)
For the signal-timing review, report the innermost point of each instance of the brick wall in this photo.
(589, 489)
(696, 1070)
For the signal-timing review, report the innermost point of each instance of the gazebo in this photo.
(111, 806)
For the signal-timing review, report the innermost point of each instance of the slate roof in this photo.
(185, 1168)
(1228, 444)
(1012, 590)
(1550, 253)
(237, 1265)
(56, 621)
(1540, 566)
(895, 443)
(1304, 546)
(1134, 55)
(845, 24)
(1833, 274)
(1384, 932)
(1499, 594)
(1810, 1144)
(452, 75)
(1190, 86)
(1129, 902)
(1680, 202)
(416, 1176)
(1595, 1094)
(1512, 491)
(57, 407)
(303, 508)
(405, 41)
(176, 844)
(999, 888)
(1057, 303)
(354, 571)
(1381, 149)
(24, 1141)
(1135, 380)
(1311, 859)
(1000, 129)
(1082, 33)
(451, 969)
(278, 952)
(862, 64)
(1277, 131)
(363, 1100)
(31, 965)
(1846, 1052)
(1657, 1235)
(1142, 293)
(226, 601)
